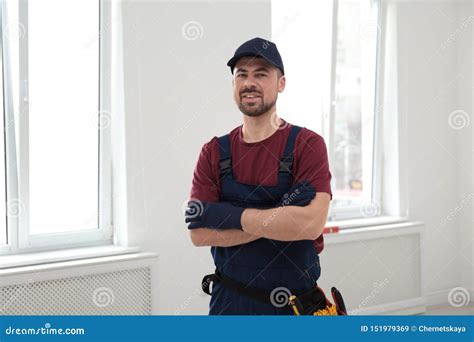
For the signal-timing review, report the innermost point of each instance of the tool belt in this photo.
(311, 302)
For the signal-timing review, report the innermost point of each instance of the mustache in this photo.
(250, 90)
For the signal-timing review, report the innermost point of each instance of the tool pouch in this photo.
(315, 303)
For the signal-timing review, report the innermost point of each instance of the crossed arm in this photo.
(288, 223)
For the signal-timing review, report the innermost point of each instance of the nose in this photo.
(250, 81)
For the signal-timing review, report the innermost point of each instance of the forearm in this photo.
(288, 223)
(220, 238)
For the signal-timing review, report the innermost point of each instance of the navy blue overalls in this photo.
(263, 263)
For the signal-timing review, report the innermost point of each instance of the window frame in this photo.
(19, 238)
(354, 211)
(11, 234)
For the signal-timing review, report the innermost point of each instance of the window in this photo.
(3, 222)
(58, 190)
(330, 49)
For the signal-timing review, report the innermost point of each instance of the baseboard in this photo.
(412, 306)
(440, 297)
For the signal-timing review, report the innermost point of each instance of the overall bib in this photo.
(264, 263)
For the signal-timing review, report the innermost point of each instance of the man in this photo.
(260, 195)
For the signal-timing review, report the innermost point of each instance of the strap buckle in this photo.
(286, 164)
(225, 166)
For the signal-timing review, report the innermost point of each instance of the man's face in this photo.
(256, 85)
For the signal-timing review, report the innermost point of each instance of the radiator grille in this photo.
(126, 292)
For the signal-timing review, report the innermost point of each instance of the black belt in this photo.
(310, 301)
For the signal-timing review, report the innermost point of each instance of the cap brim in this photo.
(233, 61)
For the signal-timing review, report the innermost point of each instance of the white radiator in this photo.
(383, 273)
(118, 292)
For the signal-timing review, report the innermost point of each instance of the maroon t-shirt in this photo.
(257, 164)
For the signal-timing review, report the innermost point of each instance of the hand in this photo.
(300, 194)
(217, 215)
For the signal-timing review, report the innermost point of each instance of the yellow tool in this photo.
(329, 310)
(294, 303)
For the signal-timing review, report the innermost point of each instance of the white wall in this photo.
(435, 79)
(178, 95)
(465, 147)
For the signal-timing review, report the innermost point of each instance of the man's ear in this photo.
(281, 83)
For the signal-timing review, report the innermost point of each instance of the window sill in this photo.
(366, 222)
(374, 228)
(48, 257)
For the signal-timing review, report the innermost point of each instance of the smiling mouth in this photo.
(250, 97)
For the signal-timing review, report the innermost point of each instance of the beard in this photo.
(255, 109)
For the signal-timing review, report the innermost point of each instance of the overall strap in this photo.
(225, 160)
(286, 162)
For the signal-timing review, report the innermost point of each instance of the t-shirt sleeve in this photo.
(311, 161)
(205, 186)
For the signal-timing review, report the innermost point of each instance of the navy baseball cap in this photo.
(258, 47)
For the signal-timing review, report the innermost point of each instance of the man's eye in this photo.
(240, 75)
(261, 75)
